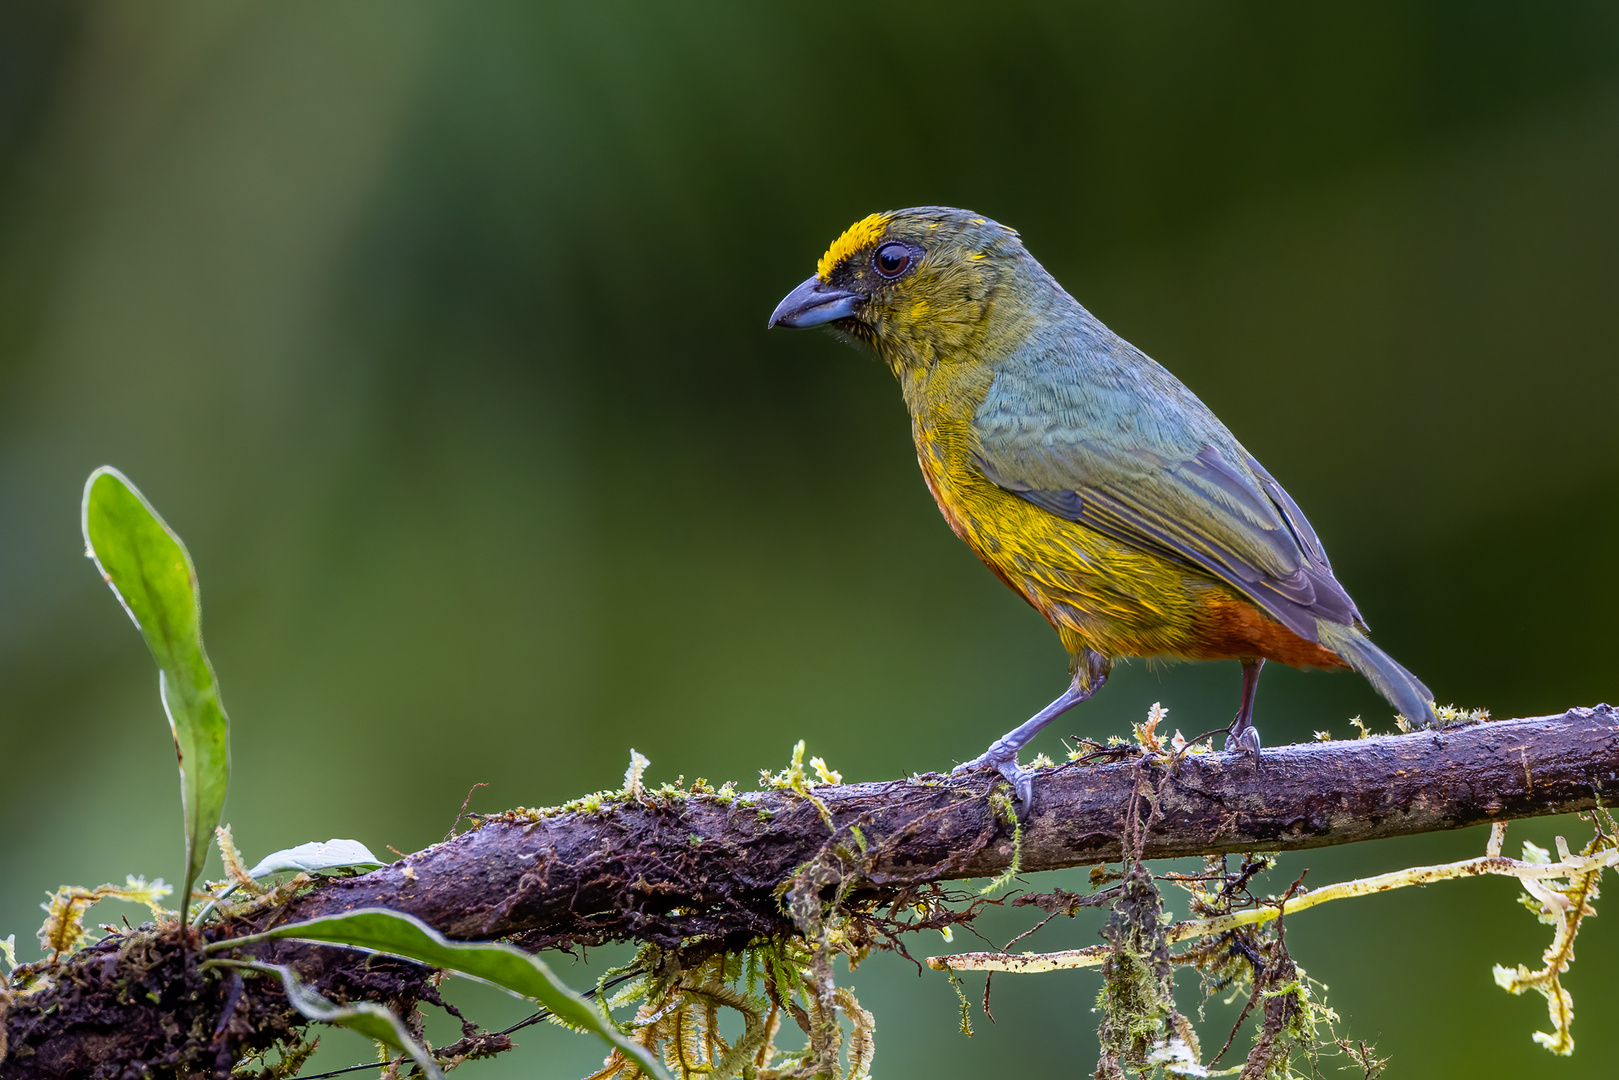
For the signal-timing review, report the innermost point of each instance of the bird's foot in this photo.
(1243, 741)
(1005, 763)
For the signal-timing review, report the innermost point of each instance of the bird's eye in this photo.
(892, 259)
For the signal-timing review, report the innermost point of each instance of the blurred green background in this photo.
(438, 333)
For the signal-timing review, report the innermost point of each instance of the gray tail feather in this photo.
(1402, 689)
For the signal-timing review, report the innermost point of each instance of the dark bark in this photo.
(668, 868)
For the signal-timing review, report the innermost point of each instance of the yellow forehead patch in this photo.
(861, 234)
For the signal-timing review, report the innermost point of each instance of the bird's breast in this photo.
(1011, 536)
(943, 401)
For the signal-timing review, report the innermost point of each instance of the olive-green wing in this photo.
(1145, 484)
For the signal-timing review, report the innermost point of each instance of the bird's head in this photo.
(919, 286)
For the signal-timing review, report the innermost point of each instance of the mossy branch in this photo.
(670, 867)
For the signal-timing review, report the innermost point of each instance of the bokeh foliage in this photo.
(438, 333)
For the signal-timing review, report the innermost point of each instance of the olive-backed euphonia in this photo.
(1085, 475)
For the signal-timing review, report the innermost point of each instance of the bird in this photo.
(1084, 474)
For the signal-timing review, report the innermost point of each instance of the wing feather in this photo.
(1213, 509)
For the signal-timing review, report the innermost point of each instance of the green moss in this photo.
(1003, 810)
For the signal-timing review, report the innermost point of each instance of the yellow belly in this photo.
(1093, 590)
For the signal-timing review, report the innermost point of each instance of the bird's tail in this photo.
(1402, 689)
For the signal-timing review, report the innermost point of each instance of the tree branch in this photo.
(669, 868)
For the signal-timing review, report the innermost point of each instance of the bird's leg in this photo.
(1242, 735)
(1090, 672)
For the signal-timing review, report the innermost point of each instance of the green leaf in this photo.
(396, 934)
(151, 574)
(368, 1018)
(314, 856)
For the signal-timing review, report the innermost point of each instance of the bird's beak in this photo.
(814, 303)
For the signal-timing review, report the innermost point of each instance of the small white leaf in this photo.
(316, 855)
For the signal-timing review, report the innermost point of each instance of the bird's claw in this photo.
(1021, 779)
(1245, 741)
